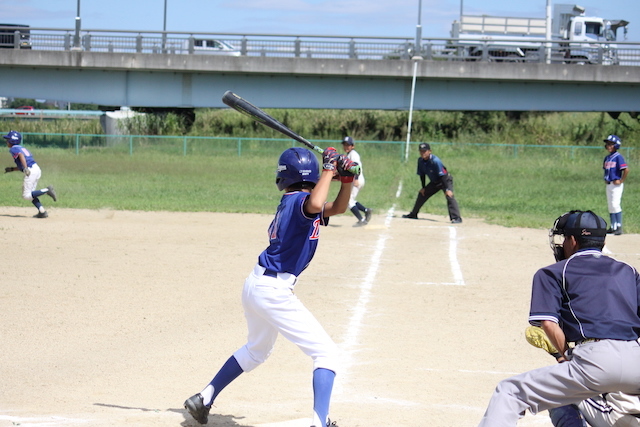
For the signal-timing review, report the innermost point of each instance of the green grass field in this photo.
(529, 188)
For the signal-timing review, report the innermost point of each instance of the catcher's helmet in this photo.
(297, 165)
(615, 140)
(580, 224)
(13, 137)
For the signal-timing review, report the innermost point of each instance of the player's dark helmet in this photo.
(617, 142)
(13, 137)
(585, 226)
(297, 165)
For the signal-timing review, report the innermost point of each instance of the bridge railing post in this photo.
(243, 46)
(192, 43)
(16, 39)
(485, 52)
(139, 43)
(296, 47)
(86, 42)
(600, 54)
(352, 49)
(67, 41)
(429, 51)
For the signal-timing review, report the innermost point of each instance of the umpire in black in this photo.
(429, 165)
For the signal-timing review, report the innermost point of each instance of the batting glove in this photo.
(27, 171)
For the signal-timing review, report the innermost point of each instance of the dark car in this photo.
(8, 36)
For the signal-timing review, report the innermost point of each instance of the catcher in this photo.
(605, 410)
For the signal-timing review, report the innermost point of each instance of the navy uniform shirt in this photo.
(590, 295)
(433, 168)
(293, 236)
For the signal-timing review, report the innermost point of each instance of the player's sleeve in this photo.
(546, 297)
(622, 163)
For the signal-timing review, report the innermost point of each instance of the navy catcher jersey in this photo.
(433, 168)
(293, 236)
(612, 166)
(590, 295)
(15, 150)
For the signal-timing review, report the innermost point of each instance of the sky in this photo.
(396, 18)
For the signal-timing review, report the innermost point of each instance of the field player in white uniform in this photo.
(586, 298)
(269, 303)
(358, 184)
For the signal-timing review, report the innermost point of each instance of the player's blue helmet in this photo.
(615, 140)
(13, 137)
(297, 165)
(581, 225)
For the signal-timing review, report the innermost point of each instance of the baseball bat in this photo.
(242, 105)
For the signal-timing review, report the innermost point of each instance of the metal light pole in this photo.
(164, 29)
(415, 59)
(76, 37)
(548, 33)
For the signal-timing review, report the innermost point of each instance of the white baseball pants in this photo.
(271, 307)
(30, 182)
(614, 197)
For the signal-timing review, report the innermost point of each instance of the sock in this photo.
(612, 218)
(360, 206)
(618, 220)
(229, 372)
(322, 387)
(37, 204)
(356, 212)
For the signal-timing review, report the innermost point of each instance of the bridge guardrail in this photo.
(341, 47)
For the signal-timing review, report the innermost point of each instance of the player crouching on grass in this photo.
(26, 164)
(269, 303)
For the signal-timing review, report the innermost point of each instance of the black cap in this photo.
(347, 140)
(424, 146)
(583, 224)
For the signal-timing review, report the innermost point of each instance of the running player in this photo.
(615, 172)
(358, 184)
(268, 300)
(26, 164)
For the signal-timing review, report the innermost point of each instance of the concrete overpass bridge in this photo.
(166, 80)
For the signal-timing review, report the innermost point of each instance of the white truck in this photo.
(573, 38)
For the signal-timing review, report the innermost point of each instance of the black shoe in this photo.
(618, 231)
(411, 216)
(52, 192)
(610, 230)
(456, 221)
(360, 223)
(197, 409)
(41, 215)
(367, 215)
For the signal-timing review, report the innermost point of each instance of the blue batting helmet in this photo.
(13, 137)
(297, 165)
(615, 140)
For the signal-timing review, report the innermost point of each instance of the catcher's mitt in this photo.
(537, 337)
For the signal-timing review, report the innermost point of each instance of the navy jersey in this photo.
(15, 150)
(590, 295)
(293, 236)
(613, 165)
(433, 168)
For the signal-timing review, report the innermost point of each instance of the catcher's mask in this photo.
(580, 224)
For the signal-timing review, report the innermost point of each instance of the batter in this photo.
(269, 303)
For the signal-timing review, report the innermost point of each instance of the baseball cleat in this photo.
(52, 192)
(456, 221)
(197, 409)
(367, 214)
(618, 231)
(41, 215)
(411, 216)
(361, 223)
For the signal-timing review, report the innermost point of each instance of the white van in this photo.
(209, 47)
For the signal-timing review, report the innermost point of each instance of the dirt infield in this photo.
(113, 318)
